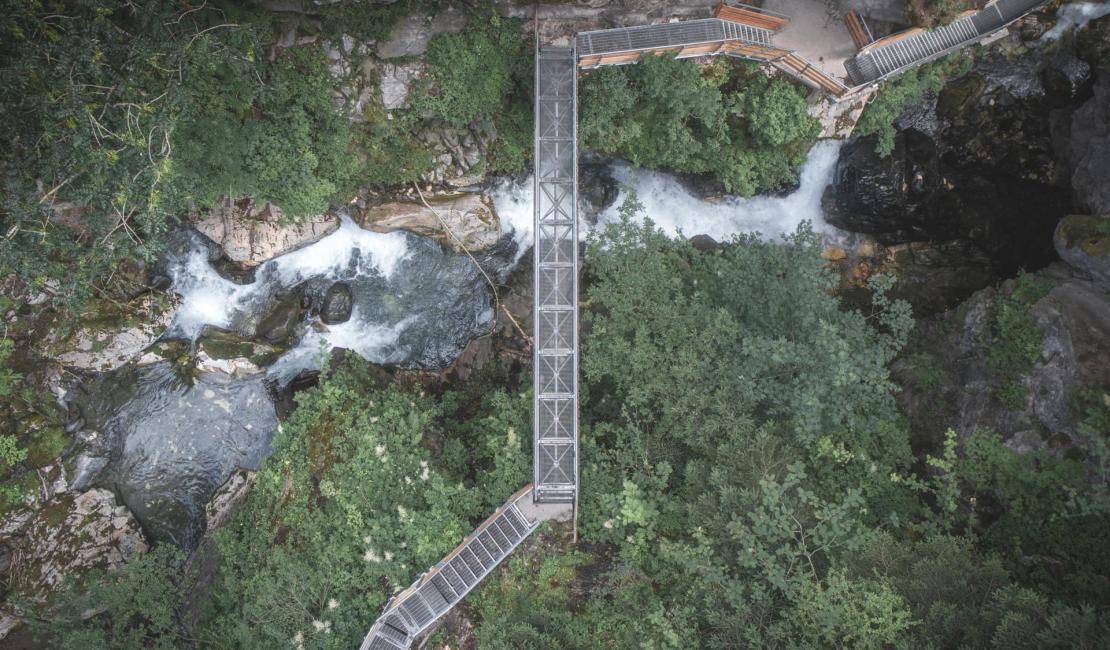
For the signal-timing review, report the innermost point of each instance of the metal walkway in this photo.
(898, 52)
(555, 426)
(411, 612)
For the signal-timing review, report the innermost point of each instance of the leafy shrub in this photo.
(726, 119)
(483, 72)
(1015, 344)
(927, 371)
(897, 94)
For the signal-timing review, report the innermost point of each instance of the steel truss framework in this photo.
(555, 266)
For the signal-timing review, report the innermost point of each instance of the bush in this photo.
(897, 94)
(1015, 344)
(728, 120)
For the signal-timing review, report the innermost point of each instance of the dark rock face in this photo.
(994, 161)
(1084, 243)
(337, 304)
(1074, 319)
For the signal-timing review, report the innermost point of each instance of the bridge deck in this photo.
(411, 612)
(555, 430)
(898, 52)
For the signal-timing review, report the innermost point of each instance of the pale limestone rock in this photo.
(255, 235)
(100, 348)
(227, 498)
(66, 537)
(470, 218)
(396, 82)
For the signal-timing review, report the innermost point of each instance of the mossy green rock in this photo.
(221, 344)
(1083, 241)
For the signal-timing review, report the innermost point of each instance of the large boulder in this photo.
(1084, 243)
(471, 223)
(1090, 149)
(413, 33)
(396, 82)
(64, 538)
(251, 235)
(1030, 411)
(118, 334)
(338, 304)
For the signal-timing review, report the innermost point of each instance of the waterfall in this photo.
(673, 208)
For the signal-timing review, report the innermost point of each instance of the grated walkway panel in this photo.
(668, 35)
(411, 612)
(894, 54)
(555, 425)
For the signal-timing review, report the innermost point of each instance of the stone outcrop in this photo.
(1084, 243)
(414, 32)
(396, 82)
(250, 234)
(995, 160)
(107, 344)
(1074, 319)
(470, 218)
(64, 538)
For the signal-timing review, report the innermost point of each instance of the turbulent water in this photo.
(1076, 14)
(165, 444)
(415, 304)
(169, 443)
(673, 208)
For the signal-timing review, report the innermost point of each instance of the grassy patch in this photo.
(1016, 340)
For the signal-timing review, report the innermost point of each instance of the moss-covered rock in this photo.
(1084, 243)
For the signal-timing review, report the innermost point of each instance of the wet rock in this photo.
(119, 335)
(227, 498)
(281, 319)
(250, 235)
(64, 538)
(337, 304)
(396, 81)
(1084, 243)
(245, 356)
(705, 243)
(470, 221)
(597, 189)
(414, 32)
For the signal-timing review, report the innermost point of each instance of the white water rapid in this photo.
(1076, 15)
(674, 209)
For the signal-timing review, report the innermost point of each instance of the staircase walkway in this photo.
(898, 52)
(411, 612)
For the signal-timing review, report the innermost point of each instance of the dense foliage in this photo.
(897, 94)
(118, 119)
(760, 492)
(727, 119)
(484, 73)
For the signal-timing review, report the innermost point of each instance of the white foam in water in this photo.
(1076, 14)
(513, 203)
(331, 254)
(208, 299)
(372, 341)
(674, 209)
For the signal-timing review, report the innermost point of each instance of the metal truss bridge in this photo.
(738, 31)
